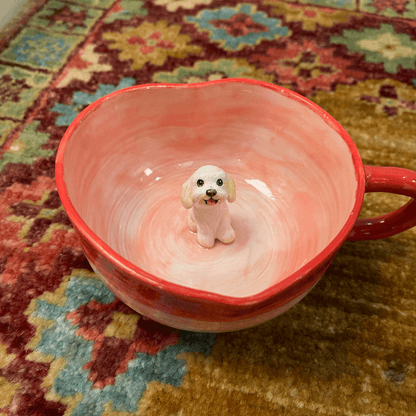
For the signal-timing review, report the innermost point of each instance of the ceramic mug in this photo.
(300, 186)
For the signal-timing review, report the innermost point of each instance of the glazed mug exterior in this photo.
(192, 309)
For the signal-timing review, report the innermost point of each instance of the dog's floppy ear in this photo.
(231, 190)
(186, 194)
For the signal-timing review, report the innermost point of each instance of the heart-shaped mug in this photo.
(299, 181)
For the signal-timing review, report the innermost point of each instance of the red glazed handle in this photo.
(396, 181)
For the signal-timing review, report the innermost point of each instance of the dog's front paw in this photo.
(227, 237)
(205, 241)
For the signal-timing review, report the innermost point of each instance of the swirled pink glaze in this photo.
(294, 176)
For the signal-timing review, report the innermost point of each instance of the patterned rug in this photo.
(69, 347)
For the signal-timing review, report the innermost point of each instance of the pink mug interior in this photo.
(294, 167)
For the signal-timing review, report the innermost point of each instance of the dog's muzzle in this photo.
(211, 193)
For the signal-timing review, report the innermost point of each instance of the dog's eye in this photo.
(219, 182)
(200, 182)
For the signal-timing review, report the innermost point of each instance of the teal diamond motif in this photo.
(240, 26)
(81, 99)
(60, 339)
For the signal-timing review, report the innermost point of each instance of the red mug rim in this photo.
(196, 294)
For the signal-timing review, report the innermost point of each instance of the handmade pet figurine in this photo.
(207, 192)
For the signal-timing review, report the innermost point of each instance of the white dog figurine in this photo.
(207, 192)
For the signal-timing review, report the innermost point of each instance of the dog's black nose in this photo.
(211, 192)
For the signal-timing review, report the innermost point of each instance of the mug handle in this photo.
(392, 180)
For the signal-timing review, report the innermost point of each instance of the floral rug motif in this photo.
(69, 347)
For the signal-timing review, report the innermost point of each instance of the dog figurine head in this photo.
(207, 187)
